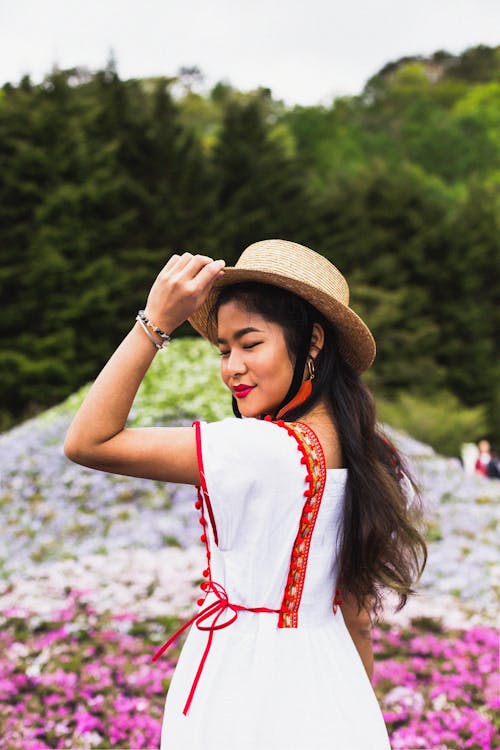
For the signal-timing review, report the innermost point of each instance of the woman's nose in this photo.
(236, 362)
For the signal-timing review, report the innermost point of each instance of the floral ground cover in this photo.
(438, 688)
(74, 679)
(80, 548)
(78, 679)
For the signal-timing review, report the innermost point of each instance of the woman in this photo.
(303, 504)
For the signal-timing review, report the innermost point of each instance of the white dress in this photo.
(289, 681)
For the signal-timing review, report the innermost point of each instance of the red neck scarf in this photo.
(302, 395)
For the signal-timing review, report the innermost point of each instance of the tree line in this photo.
(103, 178)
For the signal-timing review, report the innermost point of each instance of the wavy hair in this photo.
(380, 545)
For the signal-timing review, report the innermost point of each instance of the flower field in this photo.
(97, 569)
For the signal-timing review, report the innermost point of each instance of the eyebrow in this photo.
(239, 334)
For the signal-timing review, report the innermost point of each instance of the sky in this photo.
(305, 51)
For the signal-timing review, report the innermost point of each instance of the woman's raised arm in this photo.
(97, 437)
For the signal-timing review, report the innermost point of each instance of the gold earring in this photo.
(310, 367)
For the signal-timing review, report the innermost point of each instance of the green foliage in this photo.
(190, 367)
(182, 384)
(405, 336)
(439, 420)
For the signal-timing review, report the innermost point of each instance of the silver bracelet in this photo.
(150, 337)
(149, 324)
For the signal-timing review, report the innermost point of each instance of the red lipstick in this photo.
(241, 391)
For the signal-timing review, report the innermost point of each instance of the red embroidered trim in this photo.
(203, 485)
(314, 461)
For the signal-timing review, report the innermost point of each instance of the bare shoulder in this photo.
(167, 454)
(327, 434)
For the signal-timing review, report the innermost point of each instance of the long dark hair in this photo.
(379, 543)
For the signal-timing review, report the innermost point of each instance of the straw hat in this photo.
(303, 271)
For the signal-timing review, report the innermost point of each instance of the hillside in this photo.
(55, 514)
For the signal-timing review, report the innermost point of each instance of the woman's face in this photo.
(255, 363)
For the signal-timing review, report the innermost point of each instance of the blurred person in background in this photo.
(483, 458)
(493, 468)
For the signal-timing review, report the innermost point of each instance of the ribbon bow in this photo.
(214, 611)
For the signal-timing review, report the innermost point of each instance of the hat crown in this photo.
(297, 262)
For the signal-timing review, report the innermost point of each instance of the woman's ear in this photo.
(317, 340)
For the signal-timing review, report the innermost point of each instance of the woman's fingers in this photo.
(198, 271)
(175, 264)
(171, 262)
(185, 266)
(209, 273)
(182, 262)
(180, 288)
(190, 266)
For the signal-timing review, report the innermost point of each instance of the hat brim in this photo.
(356, 343)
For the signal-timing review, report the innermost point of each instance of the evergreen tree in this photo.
(261, 191)
(40, 206)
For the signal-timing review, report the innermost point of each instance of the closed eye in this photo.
(246, 346)
(251, 346)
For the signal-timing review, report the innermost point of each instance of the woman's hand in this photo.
(180, 288)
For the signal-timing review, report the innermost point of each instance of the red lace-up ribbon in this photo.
(211, 612)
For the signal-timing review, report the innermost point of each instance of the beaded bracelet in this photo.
(162, 334)
(145, 323)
